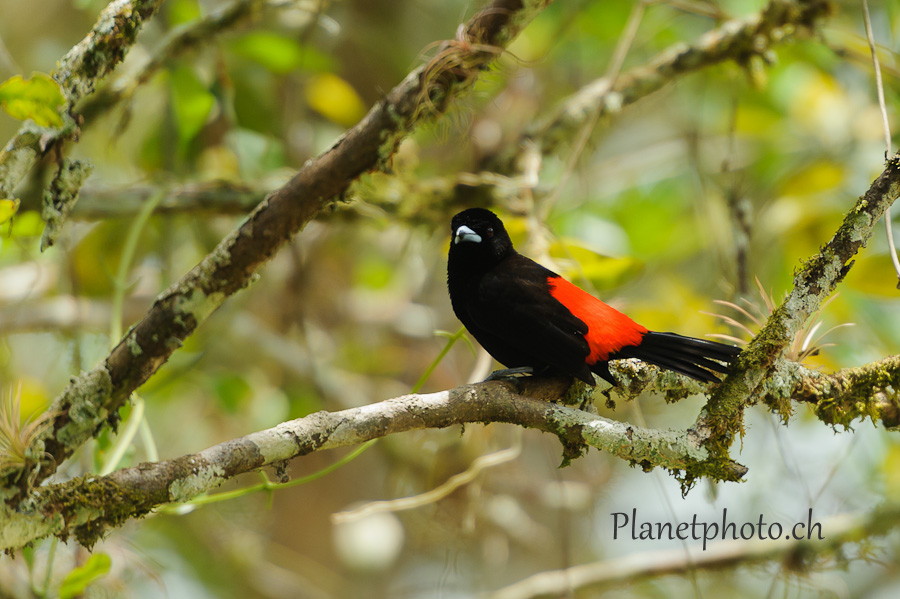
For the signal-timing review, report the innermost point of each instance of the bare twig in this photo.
(434, 495)
(879, 86)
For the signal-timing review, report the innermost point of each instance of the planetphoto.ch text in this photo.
(629, 524)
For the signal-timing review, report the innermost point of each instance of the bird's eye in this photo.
(489, 232)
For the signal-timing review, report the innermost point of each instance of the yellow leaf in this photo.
(891, 467)
(7, 209)
(818, 177)
(38, 99)
(604, 272)
(335, 99)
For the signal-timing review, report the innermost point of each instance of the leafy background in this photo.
(348, 313)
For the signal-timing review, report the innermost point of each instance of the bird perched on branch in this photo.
(532, 320)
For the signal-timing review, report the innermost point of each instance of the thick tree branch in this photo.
(93, 398)
(89, 506)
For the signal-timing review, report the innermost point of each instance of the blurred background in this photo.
(714, 188)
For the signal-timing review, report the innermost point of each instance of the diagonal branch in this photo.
(93, 398)
(760, 367)
(89, 506)
(744, 41)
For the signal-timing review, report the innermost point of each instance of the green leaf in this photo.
(27, 224)
(192, 103)
(28, 554)
(38, 99)
(232, 390)
(280, 54)
(76, 581)
(183, 11)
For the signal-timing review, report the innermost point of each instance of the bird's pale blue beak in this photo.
(464, 233)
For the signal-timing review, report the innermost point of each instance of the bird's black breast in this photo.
(509, 309)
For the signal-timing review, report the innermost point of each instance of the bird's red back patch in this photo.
(608, 329)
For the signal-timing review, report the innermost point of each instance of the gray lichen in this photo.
(83, 400)
(61, 196)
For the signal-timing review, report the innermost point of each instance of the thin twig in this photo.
(892, 249)
(434, 495)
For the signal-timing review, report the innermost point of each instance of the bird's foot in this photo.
(509, 374)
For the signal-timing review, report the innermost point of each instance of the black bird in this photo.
(529, 318)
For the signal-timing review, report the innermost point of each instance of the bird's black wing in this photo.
(519, 322)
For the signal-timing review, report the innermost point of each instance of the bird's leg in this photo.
(506, 374)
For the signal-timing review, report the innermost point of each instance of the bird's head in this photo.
(478, 234)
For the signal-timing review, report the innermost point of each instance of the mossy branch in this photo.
(89, 506)
(871, 391)
(760, 371)
(839, 398)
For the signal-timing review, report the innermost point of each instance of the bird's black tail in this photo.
(685, 355)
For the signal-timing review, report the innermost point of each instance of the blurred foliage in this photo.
(38, 99)
(347, 314)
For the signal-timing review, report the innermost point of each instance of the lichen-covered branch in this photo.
(871, 391)
(745, 41)
(78, 73)
(88, 506)
(760, 370)
(91, 399)
(839, 398)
